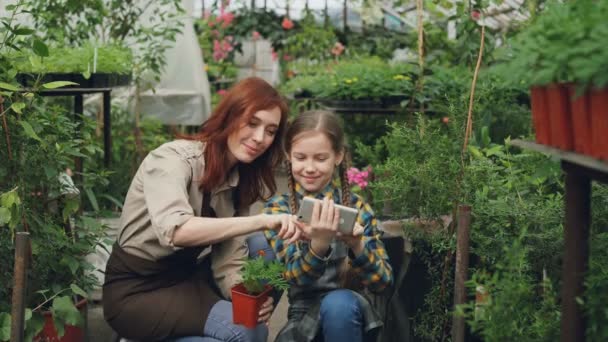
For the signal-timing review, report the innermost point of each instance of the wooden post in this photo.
(22, 243)
(462, 268)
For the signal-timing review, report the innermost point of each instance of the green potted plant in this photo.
(561, 55)
(259, 278)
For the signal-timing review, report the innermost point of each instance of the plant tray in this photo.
(97, 80)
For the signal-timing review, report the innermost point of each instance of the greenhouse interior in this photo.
(304, 170)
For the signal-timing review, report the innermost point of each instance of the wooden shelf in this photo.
(597, 168)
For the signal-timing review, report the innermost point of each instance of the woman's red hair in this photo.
(240, 103)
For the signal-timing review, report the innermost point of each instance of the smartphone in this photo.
(348, 216)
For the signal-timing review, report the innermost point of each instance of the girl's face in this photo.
(254, 137)
(313, 160)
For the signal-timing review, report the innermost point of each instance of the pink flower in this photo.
(286, 58)
(226, 18)
(357, 177)
(337, 49)
(274, 55)
(256, 35)
(475, 15)
(222, 92)
(287, 24)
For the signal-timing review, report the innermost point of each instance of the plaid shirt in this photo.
(304, 267)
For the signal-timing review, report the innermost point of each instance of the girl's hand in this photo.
(354, 241)
(286, 224)
(266, 311)
(324, 222)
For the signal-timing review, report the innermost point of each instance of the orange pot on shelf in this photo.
(580, 116)
(599, 118)
(71, 334)
(245, 307)
(540, 114)
(559, 107)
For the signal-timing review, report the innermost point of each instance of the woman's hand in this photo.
(286, 224)
(354, 241)
(266, 311)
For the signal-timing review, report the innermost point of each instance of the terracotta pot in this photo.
(72, 333)
(580, 115)
(540, 114)
(599, 128)
(245, 307)
(559, 107)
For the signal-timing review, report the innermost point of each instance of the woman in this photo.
(179, 225)
(324, 270)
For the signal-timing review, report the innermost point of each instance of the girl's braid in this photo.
(343, 170)
(291, 183)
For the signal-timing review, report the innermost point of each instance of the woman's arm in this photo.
(208, 230)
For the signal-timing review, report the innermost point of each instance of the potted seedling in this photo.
(259, 278)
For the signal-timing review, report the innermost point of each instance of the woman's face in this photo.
(313, 160)
(254, 137)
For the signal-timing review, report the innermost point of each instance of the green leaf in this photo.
(71, 263)
(65, 312)
(77, 290)
(7, 86)
(23, 31)
(58, 84)
(92, 198)
(71, 207)
(34, 326)
(5, 326)
(5, 216)
(40, 48)
(18, 107)
(29, 131)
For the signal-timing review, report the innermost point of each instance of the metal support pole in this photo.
(576, 238)
(107, 128)
(22, 242)
(462, 268)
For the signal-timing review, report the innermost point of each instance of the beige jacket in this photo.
(164, 194)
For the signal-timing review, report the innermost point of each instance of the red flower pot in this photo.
(72, 333)
(599, 117)
(580, 115)
(540, 114)
(559, 107)
(245, 307)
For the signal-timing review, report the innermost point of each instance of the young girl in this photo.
(320, 307)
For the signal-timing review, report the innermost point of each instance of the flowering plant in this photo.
(359, 181)
(258, 272)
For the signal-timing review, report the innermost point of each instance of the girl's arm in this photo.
(303, 265)
(369, 258)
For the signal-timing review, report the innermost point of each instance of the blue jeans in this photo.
(341, 317)
(219, 326)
